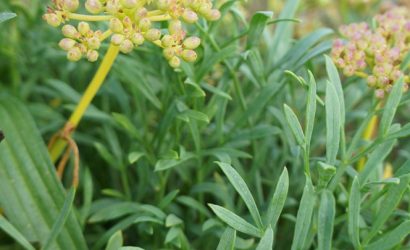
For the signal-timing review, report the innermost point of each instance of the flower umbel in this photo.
(376, 54)
(129, 24)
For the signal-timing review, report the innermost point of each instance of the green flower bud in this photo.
(74, 54)
(83, 28)
(116, 25)
(213, 15)
(192, 42)
(113, 6)
(69, 31)
(174, 62)
(168, 53)
(94, 6)
(153, 34)
(137, 39)
(126, 46)
(175, 26)
(167, 41)
(92, 55)
(189, 55)
(128, 4)
(52, 19)
(71, 5)
(189, 16)
(94, 43)
(67, 44)
(117, 39)
(144, 24)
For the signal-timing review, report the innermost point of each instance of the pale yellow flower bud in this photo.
(126, 46)
(137, 39)
(144, 24)
(83, 28)
(168, 53)
(116, 25)
(74, 54)
(189, 16)
(69, 31)
(92, 55)
(128, 4)
(71, 5)
(167, 41)
(189, 55)
(153, 34)
(213, 15)
(162, 4)
(174, 62)
(175, 26)
(204, 9)
(94, 43)
(117, 39)
(192, 42)
(94, 6)
(52, 19)
(113, 6)
(67, 44)
(140, 13)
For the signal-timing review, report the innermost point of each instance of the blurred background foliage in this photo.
(150, 139)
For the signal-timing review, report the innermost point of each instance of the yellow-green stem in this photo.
(92, 89)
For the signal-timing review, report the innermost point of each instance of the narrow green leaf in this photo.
(326, 172)
(191, 202)
(391, 239)
(235, 221)
(115, 241)
(4, 16)
(304, 216)
(173, 220)
(335, 80)
(294, 124)
(130, 248)
(333, 119)
(227, 241)
(353, 213)
(326, 218)
(391, 106)
(61, 220)
(310, 109)
(14, 233)
(278, 199)
(403, 132)
(256, 27)
(240, 186)
(266, 243)
(391, 199)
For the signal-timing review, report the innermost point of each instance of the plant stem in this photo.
(91, 91)
(88, 18)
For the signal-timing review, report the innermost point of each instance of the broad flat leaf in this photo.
(235, 221)
(240, 186)
(278, 199)
(326, 219)
(31, 195)
(266, 242)
(304, 216)
(333, 120)
(227, 241)
(353, 213)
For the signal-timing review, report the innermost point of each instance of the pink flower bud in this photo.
(117, 39)
(189, 16)
(189, 55)
(67, 44)
(153, 34)
(74, 54)
(174, 62)
(94, 6)
(192, 42)
(92, 55)
(83, 28)
(379, 93)
(126, 46)
(70, 31)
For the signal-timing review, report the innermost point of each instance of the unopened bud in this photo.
(192, 42)
(83, 28)
(92, 55)
(126, 46)
(69, 31)
(128, 4)
(52, 19)
(153, 34)
(189, 16)
(175, 27)
(94, 43)
(167, 41)
(74, 54)
(116, 25)
(71, 5)
(189, 55)
(144, 24)
(117, 39)
(174, 62)
(204, 9)
(141, 13)
(112, 6)
(168, 53)
(94, 6)
(67, 44)
(137, 39)
(162, 4)
(213, 15)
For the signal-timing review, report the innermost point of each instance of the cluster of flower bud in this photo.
(131, 23)
(377, 53)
